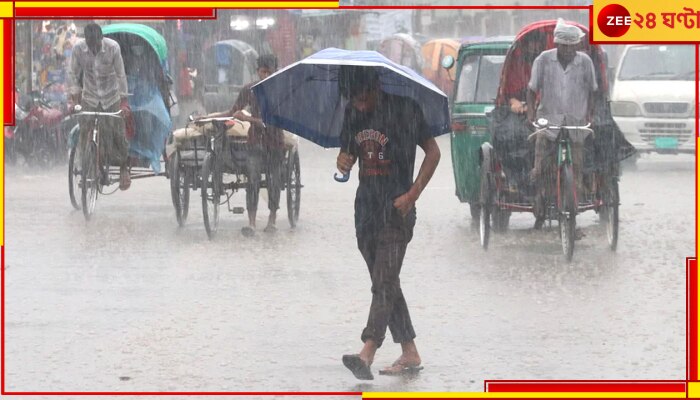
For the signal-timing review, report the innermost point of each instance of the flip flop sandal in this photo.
(354, 363)
(400, 370)
(247, 231)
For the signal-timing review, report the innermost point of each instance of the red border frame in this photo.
(692, 320)
(8, 114)
(589, 386)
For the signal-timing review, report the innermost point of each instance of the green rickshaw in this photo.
(477, 76)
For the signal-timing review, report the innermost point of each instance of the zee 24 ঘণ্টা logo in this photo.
(614, 20)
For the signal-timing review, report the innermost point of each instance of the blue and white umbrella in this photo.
(304, 98)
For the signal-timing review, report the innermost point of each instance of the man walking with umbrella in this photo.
(382, 131)
(377, 112)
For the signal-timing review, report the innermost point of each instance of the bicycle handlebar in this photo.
(541, 128)
(583, 127)
(205, 120)
(97, 114)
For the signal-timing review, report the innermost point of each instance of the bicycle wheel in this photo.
(90, 181)
(567, 210)
(179, 189)
(74, 178)
(211, 194)
(611, 206)
(293, 188)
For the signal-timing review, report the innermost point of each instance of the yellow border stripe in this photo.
(2, 144)
(526, 395)
(6, 9)
(178, 4)
(693, 389)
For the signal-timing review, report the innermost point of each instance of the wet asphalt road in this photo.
(129, 302)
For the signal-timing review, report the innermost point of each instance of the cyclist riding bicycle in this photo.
(98, 83)
(565, 81)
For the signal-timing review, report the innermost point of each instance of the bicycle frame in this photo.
(95, 137)
(564, 157)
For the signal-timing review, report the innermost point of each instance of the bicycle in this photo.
(567, 204)
(96, 171)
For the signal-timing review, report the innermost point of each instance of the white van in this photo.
(653, 97)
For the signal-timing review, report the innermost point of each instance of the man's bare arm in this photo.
(406, 202)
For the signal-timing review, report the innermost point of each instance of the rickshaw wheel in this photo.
(179, 189)
(567, 212)
(211, 194)
(90, 180)
(611, 209)
(486, 199)
(74, 178)
(293, 188)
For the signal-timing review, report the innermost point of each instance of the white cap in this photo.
(567, 34)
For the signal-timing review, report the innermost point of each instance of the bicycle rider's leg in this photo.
(537, 176)
(86, 126)
(274, 164)
(254, 168)
(118, 146)
(577, 160)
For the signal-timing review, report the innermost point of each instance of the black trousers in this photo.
(383, 251)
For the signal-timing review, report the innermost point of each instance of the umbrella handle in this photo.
(343, 178)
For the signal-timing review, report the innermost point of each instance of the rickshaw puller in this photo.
(566, 81)
(98, 62)
(266, 149)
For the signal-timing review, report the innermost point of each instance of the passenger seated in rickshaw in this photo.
(515, 153)
(565, 81)
(266, 146)
(516, 90)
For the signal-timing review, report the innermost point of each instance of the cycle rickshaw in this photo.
(506, 161)
(90, 173)
(212, 159)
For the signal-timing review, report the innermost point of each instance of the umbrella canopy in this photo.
(304, 98)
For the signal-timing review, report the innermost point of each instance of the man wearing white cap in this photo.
(565, 81)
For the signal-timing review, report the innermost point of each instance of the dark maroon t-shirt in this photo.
(384, 142)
